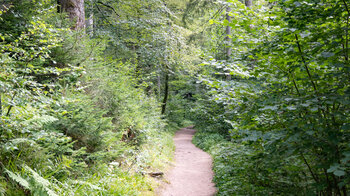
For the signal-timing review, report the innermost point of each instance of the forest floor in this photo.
(192, 174)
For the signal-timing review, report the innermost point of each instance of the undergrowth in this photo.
(241, 170)
(73, 121)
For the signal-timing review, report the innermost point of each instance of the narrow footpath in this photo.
(192, 174)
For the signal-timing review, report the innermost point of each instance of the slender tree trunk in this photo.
(0, 105)
(228, 38)
(166, 93)
(228, 33)
(249, 3)
(158, 81)
(305, 64)
(76, 12)
(166, 89)
(346, 46)
(344, 191)
(11, 106)
(89, 23)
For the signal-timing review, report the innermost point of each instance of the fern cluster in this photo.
(72, 121)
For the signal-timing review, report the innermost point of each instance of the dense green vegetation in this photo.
(79, 115)
(280, 123)
(92, 91)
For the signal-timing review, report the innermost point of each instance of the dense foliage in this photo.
(76, 117)
(87, 109)
(284, 113)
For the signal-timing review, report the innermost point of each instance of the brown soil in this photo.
(192, 174)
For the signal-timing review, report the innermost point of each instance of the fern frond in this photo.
(40, 181)
(22, 140)
(45, 119)
(17, 178)
(50, 192)
(38, 121)
(37, 178)
(84, 183)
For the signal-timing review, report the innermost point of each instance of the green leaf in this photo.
(269, 108)
(226, 22)
(291, 108)
(337, 170)
(339, 173)
(314, 109)
(327, 54)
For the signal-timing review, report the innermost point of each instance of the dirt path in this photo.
(192, 174)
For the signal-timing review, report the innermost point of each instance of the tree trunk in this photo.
(228, 33)
(166, 93)
(249, 3)
(90, 19)
(158, 81)
(76, 12)
(228, 38)
(0, 106)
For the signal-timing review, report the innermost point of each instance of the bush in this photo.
(242, 170)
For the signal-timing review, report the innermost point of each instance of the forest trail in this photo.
(192, 174)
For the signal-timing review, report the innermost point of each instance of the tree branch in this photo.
(347, 32)
(308, 166)
(11, 106)
(305, 64)
(110, 7)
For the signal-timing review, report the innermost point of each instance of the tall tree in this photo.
(0, 105)
(228, 37)
(166, 93)
(75, 10)
(89, 23)
(228, 33)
